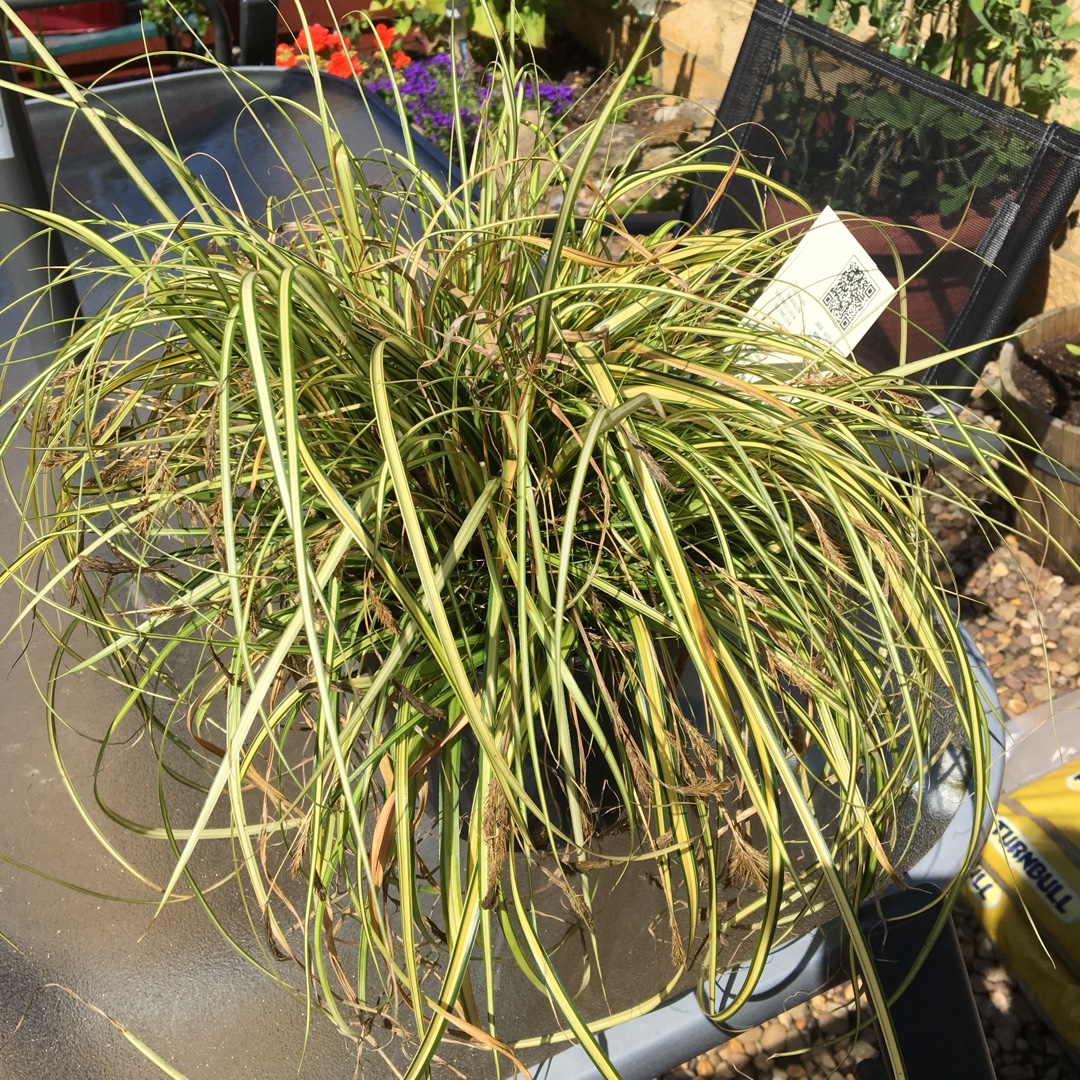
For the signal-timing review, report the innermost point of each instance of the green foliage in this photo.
(426, 16)
(525, 19)
(484, 18)
(1011, 50)
(172, 15)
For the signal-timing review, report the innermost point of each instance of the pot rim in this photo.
(1010, 356)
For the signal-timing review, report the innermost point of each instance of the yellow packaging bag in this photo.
(1026, 892)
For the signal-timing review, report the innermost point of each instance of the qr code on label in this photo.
(849, 294)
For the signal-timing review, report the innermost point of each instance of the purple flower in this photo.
(437, 94)
(555, 97)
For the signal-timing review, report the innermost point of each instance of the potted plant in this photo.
(1040, 392)
(493, 581)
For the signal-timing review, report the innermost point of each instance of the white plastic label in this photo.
(828, 289)
(6, 149)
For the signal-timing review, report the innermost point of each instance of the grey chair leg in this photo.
(937, 1023)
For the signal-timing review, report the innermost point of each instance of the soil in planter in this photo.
(1048, 378)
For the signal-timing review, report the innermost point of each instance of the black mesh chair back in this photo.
(972, 191)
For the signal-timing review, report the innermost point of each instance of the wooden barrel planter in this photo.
(1051, 488)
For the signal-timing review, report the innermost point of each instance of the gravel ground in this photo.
(822, 1040)
(1025, 618)
(1026, 621)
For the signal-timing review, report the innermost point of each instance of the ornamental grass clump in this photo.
(513, 608)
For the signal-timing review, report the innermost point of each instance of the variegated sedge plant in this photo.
(433, 505)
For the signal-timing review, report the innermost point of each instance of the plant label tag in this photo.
(6, 149)
(828, 289)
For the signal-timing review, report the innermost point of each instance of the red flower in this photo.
(343, 65)
(336, 41)
(400, 59)
(314, 35)
(285, 56)
(385, 34)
